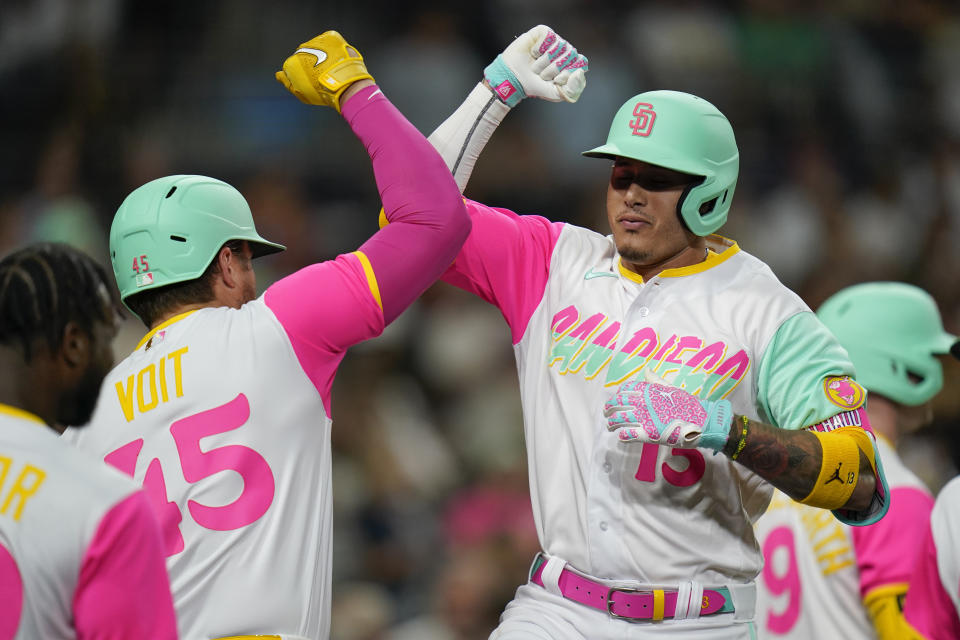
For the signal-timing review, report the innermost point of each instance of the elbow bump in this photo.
(459, 222)
(466, 222)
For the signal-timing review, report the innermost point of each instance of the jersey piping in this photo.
(163, 325)
(20, 413)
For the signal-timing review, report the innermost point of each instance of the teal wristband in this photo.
(716, 431)
(503, 82)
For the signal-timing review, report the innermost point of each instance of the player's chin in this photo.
(78, 413)
(76, 409)
(629, 252)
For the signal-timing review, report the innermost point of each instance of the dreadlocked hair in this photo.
(43, 287)
(152, 304)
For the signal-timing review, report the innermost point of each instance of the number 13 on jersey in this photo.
(196, 464)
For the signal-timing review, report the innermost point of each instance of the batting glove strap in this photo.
(504, 82)
(716, 430)
(538, 64)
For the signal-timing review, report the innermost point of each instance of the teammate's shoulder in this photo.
(220, 320)
(86, 475)
(217, 314)
(84, 463)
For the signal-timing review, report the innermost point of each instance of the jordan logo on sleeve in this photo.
(835, 476)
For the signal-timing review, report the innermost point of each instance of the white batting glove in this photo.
(657, 413)
(538, 64)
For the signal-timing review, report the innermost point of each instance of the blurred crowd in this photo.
(847, 114)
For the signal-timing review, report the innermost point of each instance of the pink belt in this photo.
(626, 602)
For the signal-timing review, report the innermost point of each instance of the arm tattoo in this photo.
(789, 460)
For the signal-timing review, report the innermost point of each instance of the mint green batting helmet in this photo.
(170, 229)
(685, 133)
(892, 332)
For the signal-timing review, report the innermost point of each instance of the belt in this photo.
(626, 602)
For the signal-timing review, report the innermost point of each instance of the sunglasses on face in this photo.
(650, 177)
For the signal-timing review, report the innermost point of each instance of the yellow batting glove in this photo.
(322, 69)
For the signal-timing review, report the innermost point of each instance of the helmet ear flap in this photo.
(682, 203)
(920, 381)
(698, 194)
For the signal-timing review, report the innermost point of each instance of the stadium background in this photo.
(847, 113)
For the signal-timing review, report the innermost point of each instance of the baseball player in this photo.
(645, 531)
(932, 604)
(223, 411)
(824, 579)
(80, 548)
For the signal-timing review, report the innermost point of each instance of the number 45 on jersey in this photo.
(196, 465)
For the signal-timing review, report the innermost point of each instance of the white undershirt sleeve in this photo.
(463, 135)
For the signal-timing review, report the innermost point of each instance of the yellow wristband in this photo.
(743, 437)
(839, 471)
(864, 442)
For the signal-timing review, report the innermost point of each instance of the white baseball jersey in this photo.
(223, 416)
(818, 571)
(932, 605)
(80, 551)
(581, 325)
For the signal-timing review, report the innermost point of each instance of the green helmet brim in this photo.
(262, 247)
(948, 343)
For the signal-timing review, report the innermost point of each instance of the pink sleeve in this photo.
(325, 308)
(928, 608)
(885, 548)
(123, 590)
(428, 220)
(506, 261)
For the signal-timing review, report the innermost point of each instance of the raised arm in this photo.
(537, 64)
(421, 200)
(506, 259)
